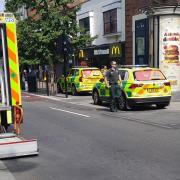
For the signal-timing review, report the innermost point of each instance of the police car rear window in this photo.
(91, 73)
(148, 75)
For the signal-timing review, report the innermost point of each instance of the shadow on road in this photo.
(21, 164)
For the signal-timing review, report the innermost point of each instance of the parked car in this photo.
(80, 79)
(139, 86)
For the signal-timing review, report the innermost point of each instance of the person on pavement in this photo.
(113, 81)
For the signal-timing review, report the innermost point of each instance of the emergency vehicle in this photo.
(11, 112)
(80, 79)
(139, 86)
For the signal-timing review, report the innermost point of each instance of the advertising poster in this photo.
(169, 51)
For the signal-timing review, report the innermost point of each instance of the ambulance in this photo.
(140, 86)
(11, 112)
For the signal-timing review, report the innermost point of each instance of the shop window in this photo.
(84, 23)
(110, 21)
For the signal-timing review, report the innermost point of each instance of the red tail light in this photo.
(80, 79)
(133, 86)
(167, 84)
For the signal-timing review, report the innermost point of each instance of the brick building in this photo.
(132, 9)
(153, 36)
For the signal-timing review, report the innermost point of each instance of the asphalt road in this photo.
(80, 141)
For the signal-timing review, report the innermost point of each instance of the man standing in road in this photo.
(113, 81)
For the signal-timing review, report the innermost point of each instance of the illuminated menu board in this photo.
(169, 51)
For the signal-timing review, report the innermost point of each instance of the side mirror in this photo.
(101, 80)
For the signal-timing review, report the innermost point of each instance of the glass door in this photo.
(142, 42)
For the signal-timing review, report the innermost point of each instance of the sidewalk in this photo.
(86, 100)
(175, 96)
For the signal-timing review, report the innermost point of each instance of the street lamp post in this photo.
(65, 55)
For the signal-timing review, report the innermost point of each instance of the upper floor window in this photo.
(84, 23)
(110, 21)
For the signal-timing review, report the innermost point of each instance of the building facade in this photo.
(104, 20)
(153, 36)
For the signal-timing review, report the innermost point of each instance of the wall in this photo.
(94, 9)
(131, 9)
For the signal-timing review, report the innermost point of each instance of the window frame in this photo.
(110, 20)
(82, 23)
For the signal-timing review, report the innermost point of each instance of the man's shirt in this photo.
(112, 76)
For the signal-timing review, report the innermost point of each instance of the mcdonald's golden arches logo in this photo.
(115, 50)
(81, 54)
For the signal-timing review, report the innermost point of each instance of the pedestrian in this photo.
(104, 70)
(113, 81)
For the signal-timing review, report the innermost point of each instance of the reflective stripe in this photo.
(13, 64)
(9, 117)
(10, 35)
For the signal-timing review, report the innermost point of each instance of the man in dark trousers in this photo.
(113, 81)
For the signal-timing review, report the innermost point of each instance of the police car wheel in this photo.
(161, 106)
(96, 99)
(122, 105)
(73, 90)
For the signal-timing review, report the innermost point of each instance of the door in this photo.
(4, 93)
(142, 42)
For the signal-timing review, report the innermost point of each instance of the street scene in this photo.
(89, 89)
(78, 140)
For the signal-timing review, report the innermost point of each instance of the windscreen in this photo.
(91, 73)
(148, 75)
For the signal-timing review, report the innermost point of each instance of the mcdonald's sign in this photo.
(81, 54)
(115, 50)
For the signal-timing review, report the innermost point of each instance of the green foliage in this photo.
(36, 36)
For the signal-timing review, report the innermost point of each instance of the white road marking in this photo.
(70, 112)
(5, 173)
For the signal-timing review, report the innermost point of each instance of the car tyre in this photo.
(96, 98)
(162, 106)
(73, 90)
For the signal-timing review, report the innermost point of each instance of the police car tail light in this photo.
(167, 84)
(133, 86)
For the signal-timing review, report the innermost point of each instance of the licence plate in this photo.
(152, 90)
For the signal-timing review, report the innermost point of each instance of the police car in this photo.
(139, 86)
(80, 79)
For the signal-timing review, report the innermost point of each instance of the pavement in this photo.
(86, 99)
(175, 96)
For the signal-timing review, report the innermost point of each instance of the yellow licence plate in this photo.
(152, 90)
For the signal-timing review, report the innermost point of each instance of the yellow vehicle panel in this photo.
(81, 79)
(139, 86)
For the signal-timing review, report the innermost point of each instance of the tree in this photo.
(37, 34)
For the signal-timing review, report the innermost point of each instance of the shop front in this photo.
(160, 47)
(98, 56)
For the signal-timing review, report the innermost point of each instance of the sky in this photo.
(2, 5)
